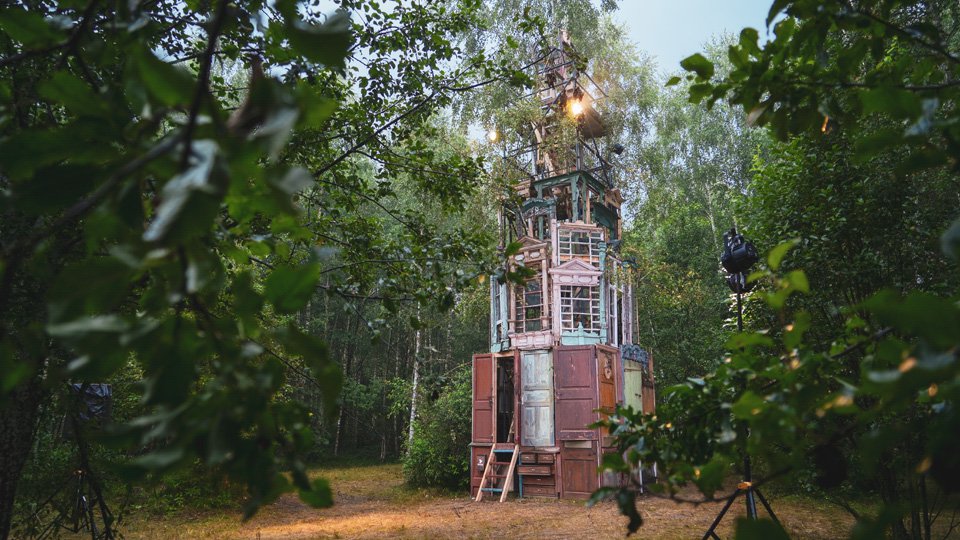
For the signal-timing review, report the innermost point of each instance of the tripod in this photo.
(77, 511)
(76, 516)
(738, 282)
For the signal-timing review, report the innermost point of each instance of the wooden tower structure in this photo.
(561, 344)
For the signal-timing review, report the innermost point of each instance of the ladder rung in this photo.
(492, 490)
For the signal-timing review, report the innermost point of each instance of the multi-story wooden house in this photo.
(561, 343)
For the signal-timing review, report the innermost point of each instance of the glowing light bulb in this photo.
(576, 108)
(492, 135)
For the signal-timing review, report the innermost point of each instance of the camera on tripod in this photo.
(739, 255)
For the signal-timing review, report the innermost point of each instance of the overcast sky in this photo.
(671, 30)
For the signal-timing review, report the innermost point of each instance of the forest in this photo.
(272, 228)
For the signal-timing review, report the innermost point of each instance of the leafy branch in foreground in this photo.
(883, 391)
(158, 210)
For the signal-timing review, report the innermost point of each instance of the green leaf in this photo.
(893, 101)
(775, 9)
(748, 339)
(74, 94)
(778, 253)
(327, 43)
(193, 194)
(91, 286)
(793, 335)
(673, 81)
(613, 461)
(56, 187)
(748, 41)
(921, 314)
(289, 288)
(28, 27)
(160, 459)
(601, 495)
(314, 107)
(168, 84)
(798, 281)
(698, 64)
(748, 406)
(293, 181)
(759, 529)
(277, 128)
(319, 494)
(711, 476)
(87, 325)
(513, 248)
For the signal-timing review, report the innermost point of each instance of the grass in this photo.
(372, 502)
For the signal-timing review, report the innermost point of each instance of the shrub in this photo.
(438, 455)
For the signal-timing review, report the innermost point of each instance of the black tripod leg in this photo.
(767, 506)
(723, 512)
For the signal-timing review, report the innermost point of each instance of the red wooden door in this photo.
(575, 371)
(607, 371)
(576, 384)
(483, 413)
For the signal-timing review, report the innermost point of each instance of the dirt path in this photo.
(372, 503)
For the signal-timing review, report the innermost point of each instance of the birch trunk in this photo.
(416, 387)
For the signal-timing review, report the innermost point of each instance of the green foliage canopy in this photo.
(156, 209)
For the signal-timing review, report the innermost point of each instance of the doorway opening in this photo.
(505, 400)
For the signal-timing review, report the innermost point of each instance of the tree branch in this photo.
(203, 80)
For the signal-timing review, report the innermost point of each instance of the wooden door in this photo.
(632, 384)
(536, 398)
(576, 382)
(579, 465)
(576, 399)
(483, 412)
(607, 369)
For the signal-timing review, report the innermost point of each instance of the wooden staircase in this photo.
(494, 473)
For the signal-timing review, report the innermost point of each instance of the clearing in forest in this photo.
(372, 502)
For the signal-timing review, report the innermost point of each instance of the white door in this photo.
(536, 380)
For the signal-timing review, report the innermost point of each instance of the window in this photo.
(584, 245)
(529, 304)
(496, 314)
(580, 305)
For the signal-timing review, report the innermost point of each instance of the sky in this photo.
(671, 30)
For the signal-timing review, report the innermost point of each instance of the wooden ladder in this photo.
(491, 472)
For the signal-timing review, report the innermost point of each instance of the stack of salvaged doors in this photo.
(561, 339)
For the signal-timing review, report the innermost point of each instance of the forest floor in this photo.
(372, 502)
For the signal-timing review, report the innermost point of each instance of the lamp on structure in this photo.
(576, 108)
(738, 257)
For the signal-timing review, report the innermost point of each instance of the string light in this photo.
(492, 135)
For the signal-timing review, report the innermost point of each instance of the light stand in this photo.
(738, 257)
